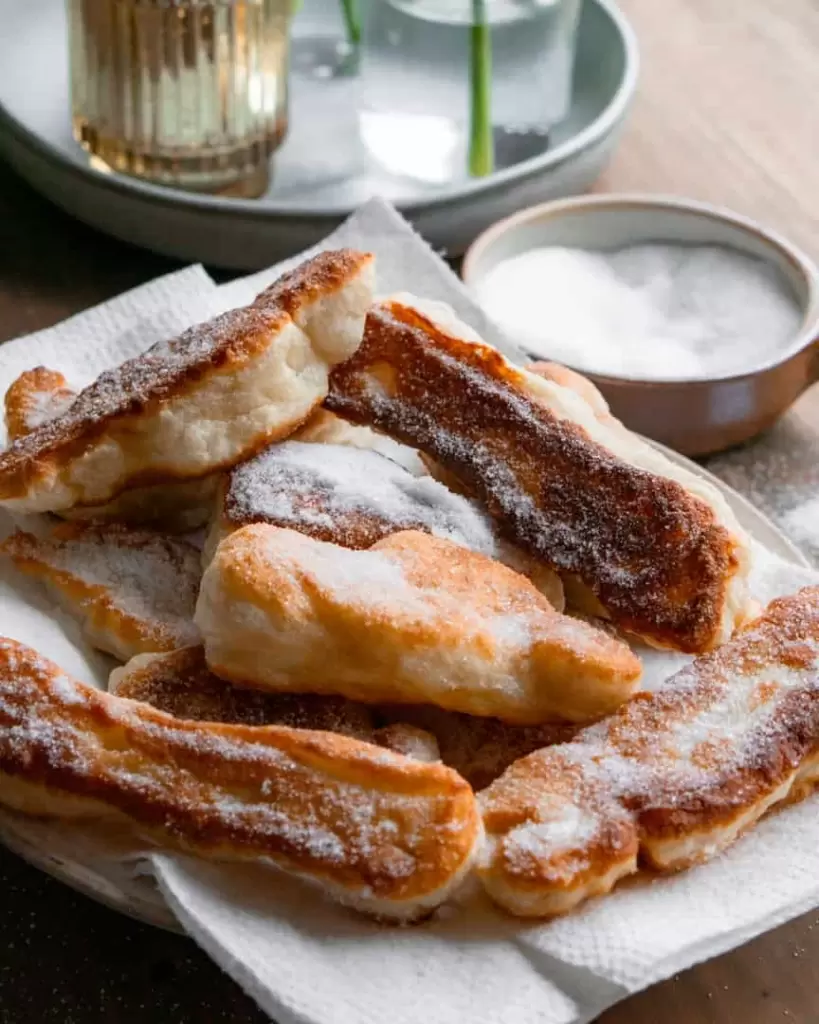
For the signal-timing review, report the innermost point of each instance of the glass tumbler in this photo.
(438, 74)
(181, 92)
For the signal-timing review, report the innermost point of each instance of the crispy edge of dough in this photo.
(21, 392)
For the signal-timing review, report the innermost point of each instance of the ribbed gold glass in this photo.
(181, 92)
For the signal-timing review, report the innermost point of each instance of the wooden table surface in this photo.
(727, 113)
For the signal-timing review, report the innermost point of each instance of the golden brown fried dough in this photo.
(40, 395)
(414, 619)
(381, 832)
(37, 396)
(201, 402)
(670, 779)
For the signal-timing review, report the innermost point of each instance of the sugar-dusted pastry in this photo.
(381, 832)
(415, 619)
(201, 402)
(131, 590)
(355, 497)
(34, 398)
(181, 684)
(670, 779)
(657, 544)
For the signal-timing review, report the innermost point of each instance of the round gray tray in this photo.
(35, 137)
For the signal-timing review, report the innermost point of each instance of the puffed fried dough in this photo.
(657, 544)
(132, 591)
(670, 779)
(355, 497)
(200, 402)
(40, 395)
(415, 619)
(34, 398)
(388, 835)
(181, 684)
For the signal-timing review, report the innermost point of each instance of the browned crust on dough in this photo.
(181, 781)
(653, 553)
(738, 774)
(145, 383)
(323, 274)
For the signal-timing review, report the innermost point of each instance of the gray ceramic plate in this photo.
(103, 865)
(301, 207)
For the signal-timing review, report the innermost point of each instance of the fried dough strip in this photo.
(383, 833)
(201, 402)
(132, 590)
(671, 779)
(414, 619)
(657, 544)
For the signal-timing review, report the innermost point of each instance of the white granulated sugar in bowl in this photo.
(649, 311)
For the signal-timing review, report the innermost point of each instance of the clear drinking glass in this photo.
(432, 69)
(181, 92)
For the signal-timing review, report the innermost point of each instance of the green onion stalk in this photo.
(481, 141)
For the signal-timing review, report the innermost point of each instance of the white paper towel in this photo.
(308, 961)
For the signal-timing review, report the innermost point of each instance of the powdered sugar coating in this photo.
(47, 405)
(148, 580)
(352, 496)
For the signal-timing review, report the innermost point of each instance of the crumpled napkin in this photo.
(309, 961)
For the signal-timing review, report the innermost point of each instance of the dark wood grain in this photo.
(727, 112)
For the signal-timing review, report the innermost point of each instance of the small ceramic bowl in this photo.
(694, 417)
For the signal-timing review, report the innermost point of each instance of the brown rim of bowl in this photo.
(807, 333)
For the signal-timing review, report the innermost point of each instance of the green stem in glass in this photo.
(352, 21)
(481, 142)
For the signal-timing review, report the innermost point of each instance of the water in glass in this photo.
(417, 79)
